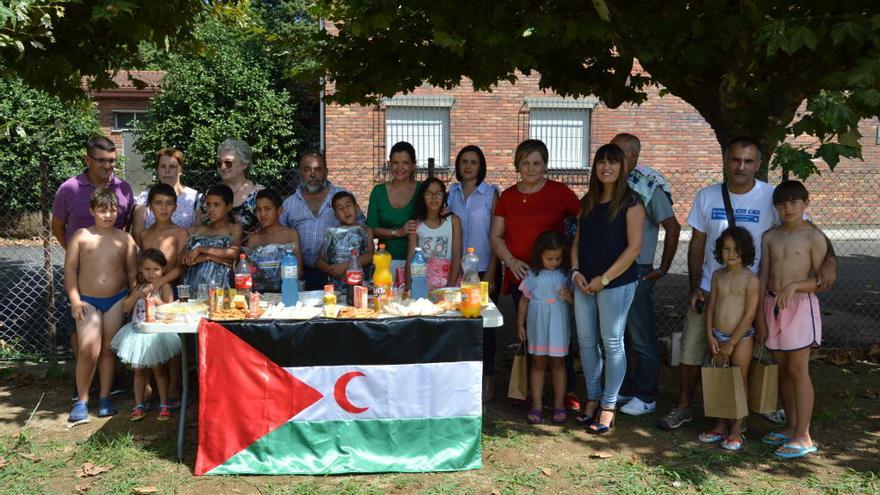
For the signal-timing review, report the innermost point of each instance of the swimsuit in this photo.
(798, 326)
(724, 338)
(103, 304)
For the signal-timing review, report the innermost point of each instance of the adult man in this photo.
(752, 204)
(642, 380)
(309, 211)
(70, 208)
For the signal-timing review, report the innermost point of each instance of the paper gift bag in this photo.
(724, 394)
(519, 376)
(675, 349)
(763, 385)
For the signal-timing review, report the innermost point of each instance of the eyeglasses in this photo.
(103, 161)
(226, 164)
(435, 194)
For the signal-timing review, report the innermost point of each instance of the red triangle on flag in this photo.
(243, 396)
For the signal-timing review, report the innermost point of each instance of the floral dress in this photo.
(208, 272)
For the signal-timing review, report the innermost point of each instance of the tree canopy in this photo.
(53, 44)
(746, 67)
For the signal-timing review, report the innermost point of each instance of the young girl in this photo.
(147, 350)
(267, 247)
(340, 241)
(213, 248)
(439, 237)
(733, 301)
(543, 321)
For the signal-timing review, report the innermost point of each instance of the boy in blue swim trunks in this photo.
(99, 268)
(733, 302)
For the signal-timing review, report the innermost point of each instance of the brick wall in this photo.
(675, 140)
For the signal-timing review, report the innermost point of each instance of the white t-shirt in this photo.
(753, 210)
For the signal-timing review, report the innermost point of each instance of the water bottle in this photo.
(418, 274)
(471, 300)
(289, 279)
(354, 277)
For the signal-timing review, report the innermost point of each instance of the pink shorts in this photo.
(796, 327)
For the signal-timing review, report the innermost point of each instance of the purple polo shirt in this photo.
(71, 203)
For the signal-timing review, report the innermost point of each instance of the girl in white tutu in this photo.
(147, 350)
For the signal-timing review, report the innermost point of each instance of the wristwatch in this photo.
(604, 280)
(393, 232)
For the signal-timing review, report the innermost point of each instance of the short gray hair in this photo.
(237, 147)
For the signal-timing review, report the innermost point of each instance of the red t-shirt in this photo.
(526, 216)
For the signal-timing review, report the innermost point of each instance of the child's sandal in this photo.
(535, 417)
(164, 413)
(559, 415)
(137, 413)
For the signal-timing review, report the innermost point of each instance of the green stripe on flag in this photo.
(366, 446)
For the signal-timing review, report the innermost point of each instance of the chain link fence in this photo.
(35, 318)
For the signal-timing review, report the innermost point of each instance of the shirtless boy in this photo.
(789, 322)
(99, 268)
(269, 210)
(170, 240)
(733, 302)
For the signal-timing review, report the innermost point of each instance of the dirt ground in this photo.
(48, 457)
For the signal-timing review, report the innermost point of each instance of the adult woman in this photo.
(169, 169)
(524, 211)
(233, 162)
(392, 203)
(608, 240)
(473, 199)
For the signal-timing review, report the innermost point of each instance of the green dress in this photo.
(382, 214)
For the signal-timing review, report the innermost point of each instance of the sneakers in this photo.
(572, 402)
(636, 407)
(106, 407)
(623, 399)
(79, 412)
(675, 419)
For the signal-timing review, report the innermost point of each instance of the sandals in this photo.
(164, 412)
(599, 428)
(535, 417)
(775, 438)
(582, 418)
(559, 415)
(733, 443)
(787, 451)
(138, 413)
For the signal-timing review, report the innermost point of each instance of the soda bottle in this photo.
(471, 300)
(289, 279)
(354, 277)
(418, 270)
(150, 309)
(382, 278)
(244, 282)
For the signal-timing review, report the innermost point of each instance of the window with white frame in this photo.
(122, 120)
(563, 124)
(422, 121)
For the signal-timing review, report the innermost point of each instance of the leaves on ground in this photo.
(88, 470)
(145, 490)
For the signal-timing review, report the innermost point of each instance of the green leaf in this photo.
(602, 9)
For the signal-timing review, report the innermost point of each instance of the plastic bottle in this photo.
(150, 309)
(354, 277)
(330, 309)
(244, 282)
(418, 270)
(471, 300)
(382, 278)
(289, 279)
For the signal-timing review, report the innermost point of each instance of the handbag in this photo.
(763, 384)
(519, 375)
(724, 394)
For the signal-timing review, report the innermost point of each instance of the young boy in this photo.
(339, 241)
(99, 268)
(267, 247)
(165, 235)
(213, 248)
(789, 313)
(733, 302)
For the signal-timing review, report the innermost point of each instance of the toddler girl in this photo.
(543, 321)
(147, 350)
(438, 235)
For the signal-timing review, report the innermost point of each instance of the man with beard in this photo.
(309, 211)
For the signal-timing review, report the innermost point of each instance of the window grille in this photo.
(422, 121)
(564, 126)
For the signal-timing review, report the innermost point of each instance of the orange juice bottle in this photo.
(382, 278)
(471, 299)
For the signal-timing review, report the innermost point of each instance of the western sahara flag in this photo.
(331, 396)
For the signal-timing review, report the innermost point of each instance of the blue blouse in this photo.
(476, 218)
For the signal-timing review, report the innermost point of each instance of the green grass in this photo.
(851, 482)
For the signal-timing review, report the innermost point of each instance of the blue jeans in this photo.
(643, 379)
(603, 314)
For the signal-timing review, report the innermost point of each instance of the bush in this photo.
(35, 125)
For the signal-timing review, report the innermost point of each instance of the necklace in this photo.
(532, 191)
(240, 186)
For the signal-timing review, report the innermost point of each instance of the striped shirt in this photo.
(297, 215)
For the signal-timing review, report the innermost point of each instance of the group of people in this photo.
(557, 251)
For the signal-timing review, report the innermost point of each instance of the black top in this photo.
(602, 241)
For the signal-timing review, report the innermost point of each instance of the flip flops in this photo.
(733, 444)
(775, 438)
(79, 412)
(535, 417)
(711, 436)
(787, 451)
